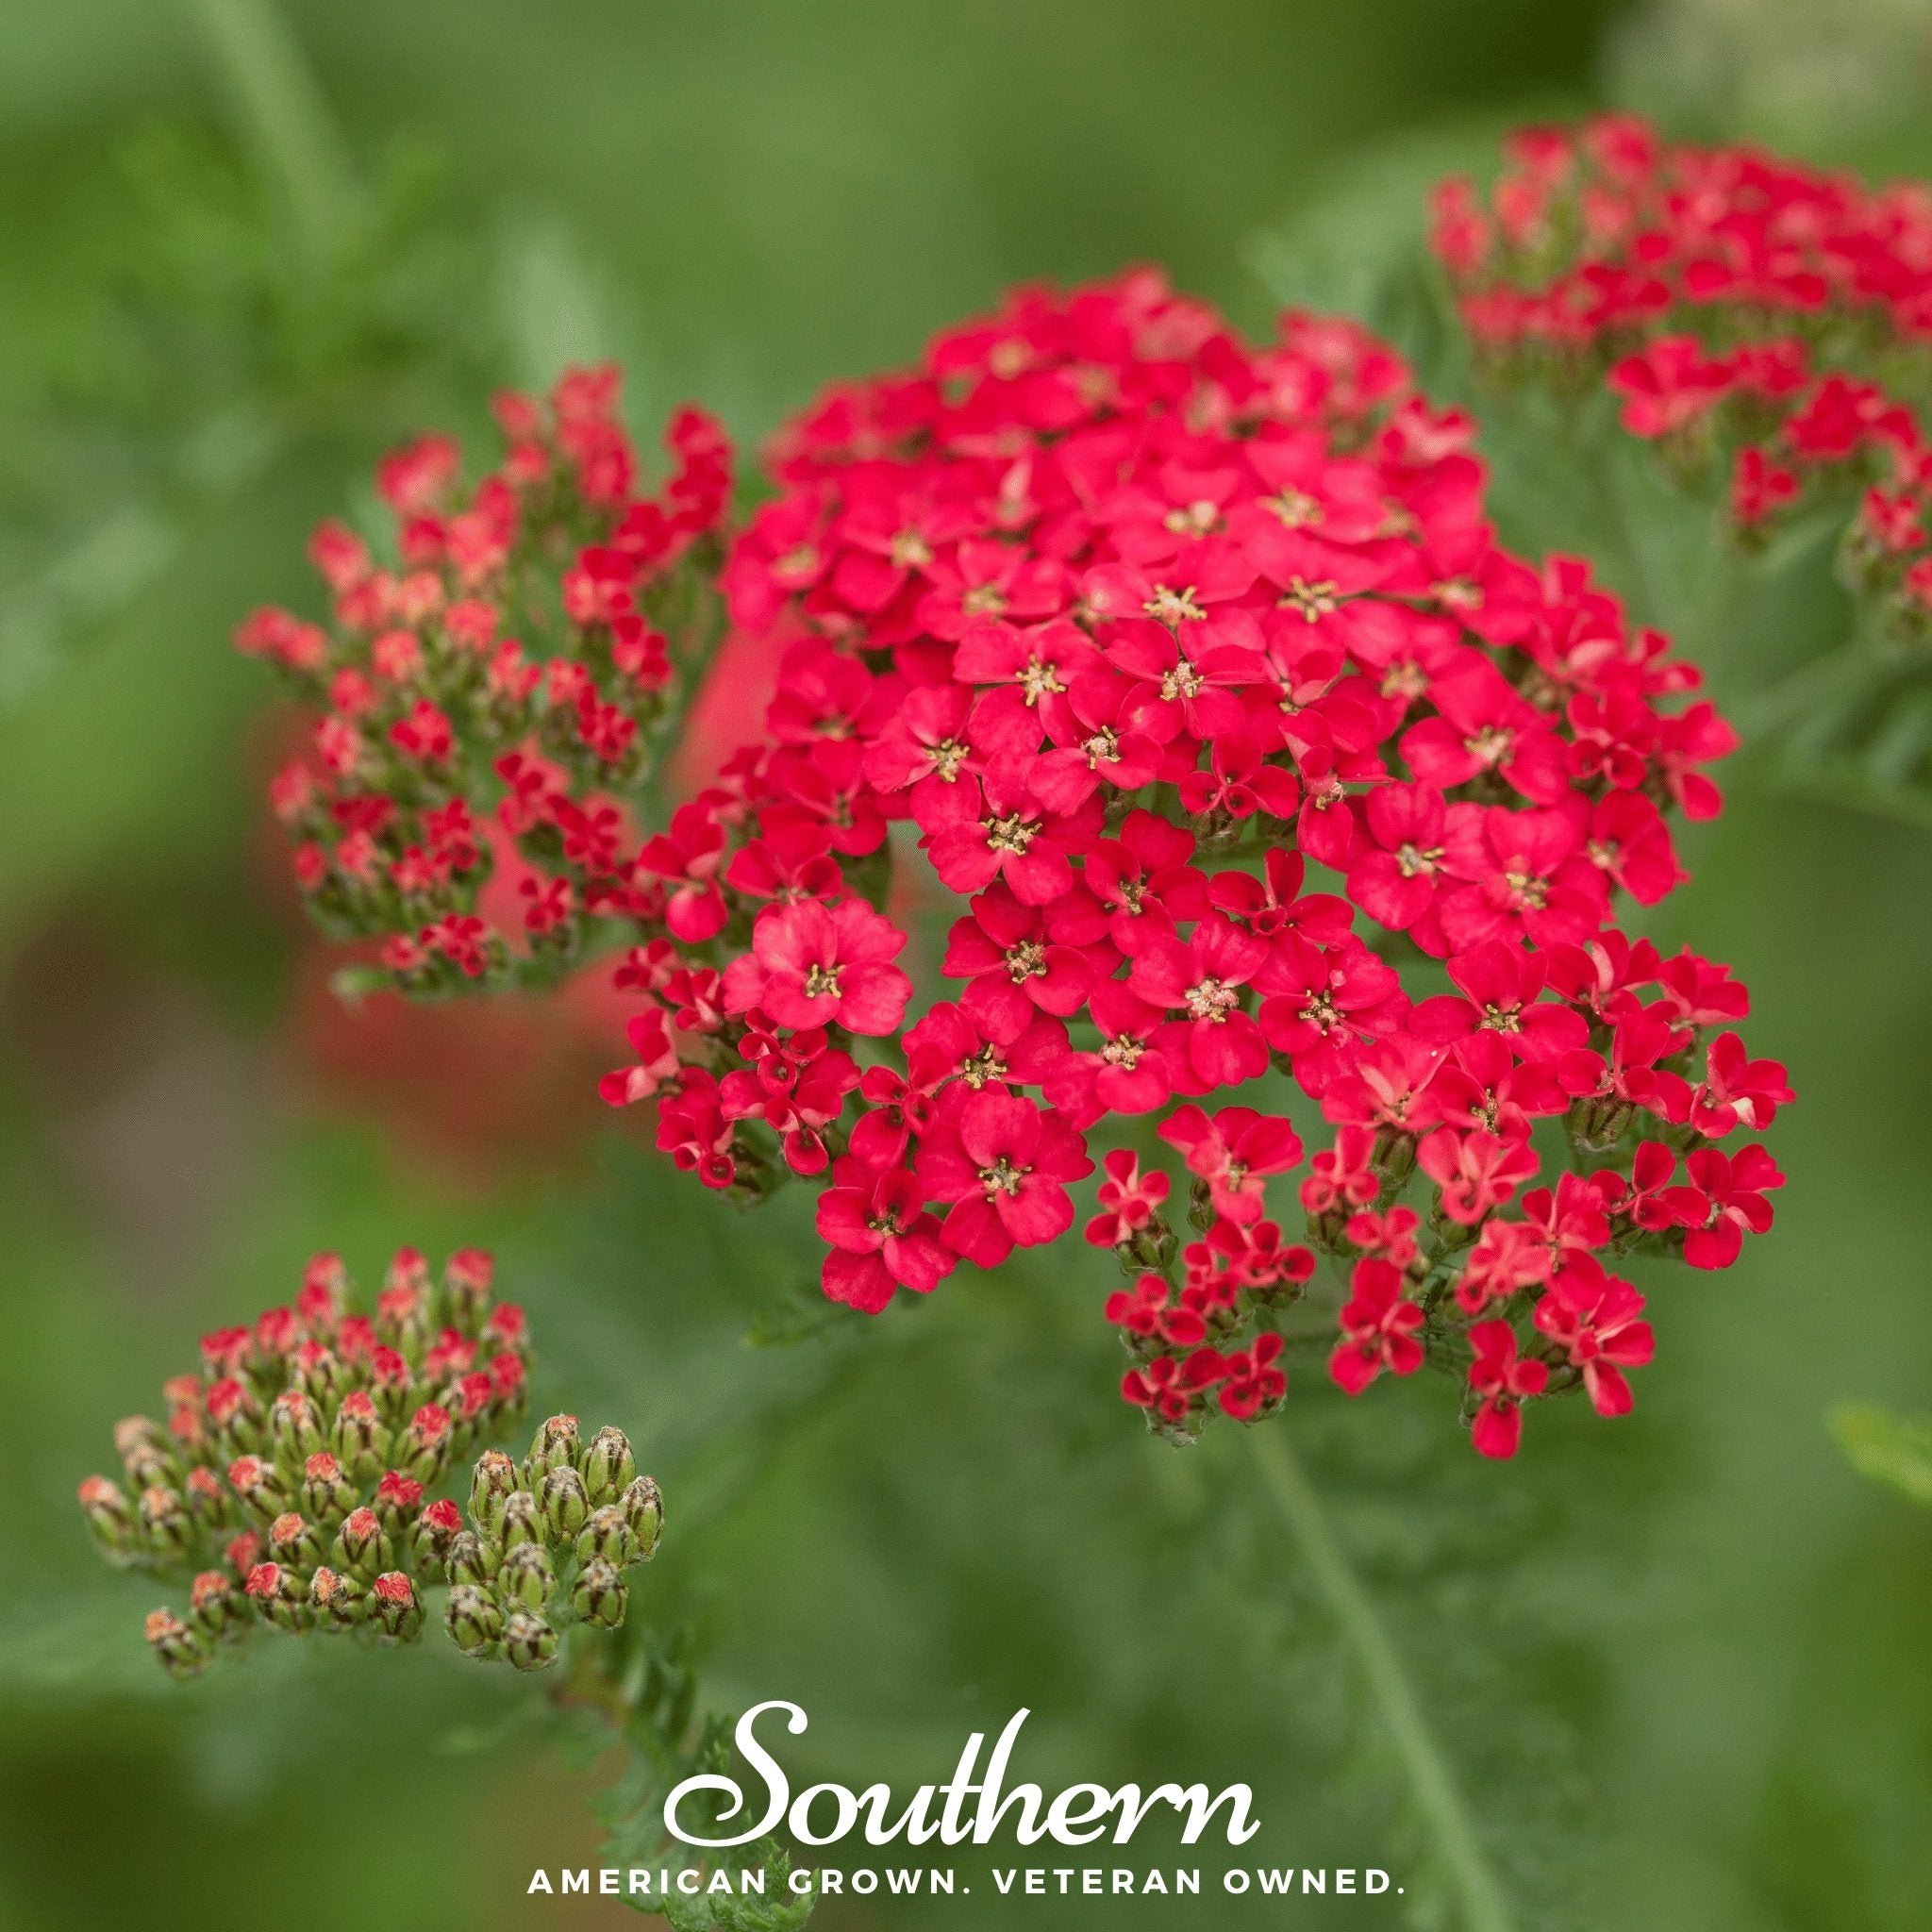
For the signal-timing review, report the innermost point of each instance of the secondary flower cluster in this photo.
(491, 694)
(1126, 625)
(1733, 300)
(293, 1475)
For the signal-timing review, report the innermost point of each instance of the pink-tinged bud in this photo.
(318, 1374)
(553, 1447)
(319, 1307)
(466, 1279)
(111, 1520)
(644, 1512)
(235, 1415)
(437, 1529)
(409, 1269)
(292, 1541)
(338, 1602)
(243, 1552)
(474, 1622)
(276, 1333)
(355, 1338)
(526, 1577)
(509, 1326)
(294, 1427)
(144, 1448)
(529, 1640)
(398, 1499)
(452, 1356)
(427, 1441)
(506, 1381)
(360, 1438)
(260, 1486)
(225, 1352)
(522, 1521)
(394, 1607)
(389, 1372)
(218, 1602)
(275, 1594)
(327, 1495)
(599, 1597)
(165, 1523)
(470, 1400)
(207, 1502)
(186, 1426)
(182, 1653)
(362, 1545)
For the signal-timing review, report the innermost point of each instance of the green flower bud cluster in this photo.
(290, 1481)
(548, 1544)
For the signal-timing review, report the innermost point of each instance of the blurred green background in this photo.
(1680, 1665)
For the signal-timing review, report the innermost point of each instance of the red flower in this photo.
(1234, 1153)
(1736, 1091)
(816, 965)
(1253, 1382)
(1378, 1328)
(1594, 1318)
(1476, 1173)
(1503, 1382)
(1129, 1200)
(881, 1237)
(1202, 978)
(1729, 1199)
(1005, 1163)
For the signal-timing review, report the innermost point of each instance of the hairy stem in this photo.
(1483, 1907)
(288, 120)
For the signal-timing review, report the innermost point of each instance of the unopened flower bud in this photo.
(207, 1502)
(292, 1541)
(529, 1640)
(111, 1518)
(361, 1438)
(398, 1500)
(183, 1655)
(644, 1510)
(362, 1545)
(473, 1619)
(556, 1444)
(327, 1495)
(608, 1465)
(236, 1417)
(599, 1597)
(605, 1538)
(437, 1529)
(394, 1607)
(338, 1601)
(260, 1486)
(527, 1577)
(165, 1523)
(145, 1452)
(318, 1374)
(293, 1429)
(466, 1279)
(565, 1506)
(274, 1593)
(471, 1560)
(219, 1603)
(494, 1479)
(522, 1521)
(425, 1444)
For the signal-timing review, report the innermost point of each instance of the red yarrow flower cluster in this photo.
(483, 730)
(1194, 677)
(1733, 300)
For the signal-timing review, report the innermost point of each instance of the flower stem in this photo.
(1483, 1906)
(289, 119)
